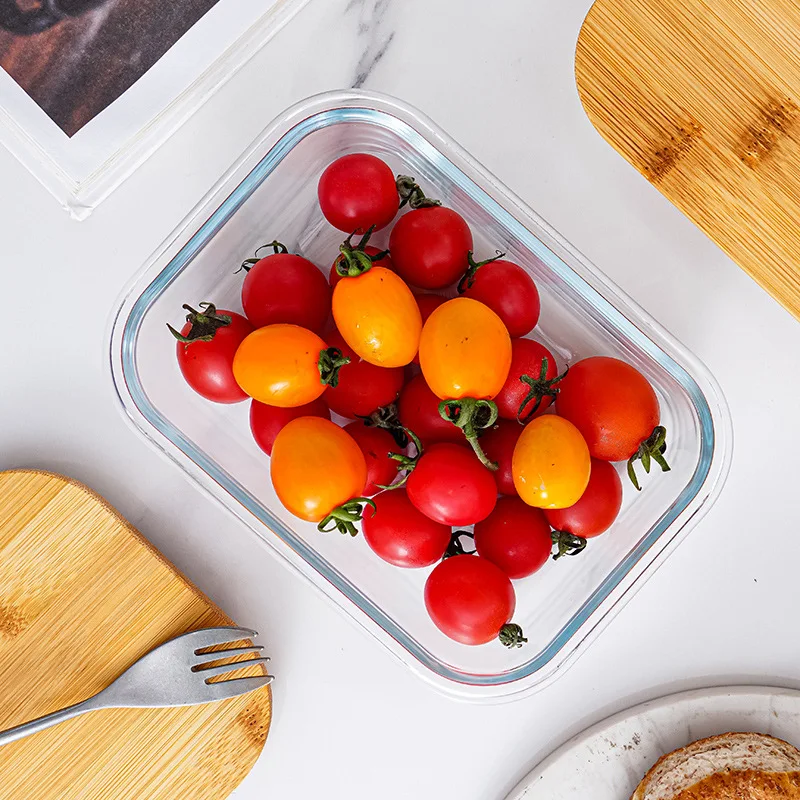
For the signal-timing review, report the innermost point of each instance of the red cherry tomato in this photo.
(615, 408)
(418, 410)
(400, 534)
(376, 445)
(451, 486)
(527, 359)
(471, 600)
(598, 507)
(358, 191)
(362, 387)
(428, 303)
(266, 422)
(207, 366)
(508, 290)
(286, 288)
(334, 277)
(515, 537)
(498, 443)
(429, 247)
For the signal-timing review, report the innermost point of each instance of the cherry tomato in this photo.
(376, 445)
(498, 442)
(429, 246)
(428, 303)
(530, 386)
(386, 262)
(418, 410)
(266, 422)
(451, 486)
(551, 463)
(206, 346)
(515, 537)
(615, 408)
(285, 288)
(357, 192)
(507, 289)
(472, 601)
(598, 507)
(285, 366)
(362, 387)
(400, 534)
(318, 472)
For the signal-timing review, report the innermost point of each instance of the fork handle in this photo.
(47, 721)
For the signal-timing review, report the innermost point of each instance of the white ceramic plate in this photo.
(607, 761)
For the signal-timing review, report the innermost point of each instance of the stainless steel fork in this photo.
(174, 674)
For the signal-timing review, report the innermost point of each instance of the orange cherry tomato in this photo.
(285, 366)
(319, 473)
(551, 463)
(378, 317)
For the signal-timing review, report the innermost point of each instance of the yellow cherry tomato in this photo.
(551, 463)
(465, 351)
(378, 317)
(280, 365)
(319, 473)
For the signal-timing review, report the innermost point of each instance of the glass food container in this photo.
(271, 193)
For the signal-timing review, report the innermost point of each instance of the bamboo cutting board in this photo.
(703, 98)
(82, 596)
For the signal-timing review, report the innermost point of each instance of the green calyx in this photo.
(511, 635)
(567, 544)
(276, 246)
(456, 548)
(386, 418)
(412, 195)
(354, 259)
(343, 518)
(329, 364)
(651, 449)
(405, 464)
(205, 324)
(471, 416)
(538, 389)
(469, 276)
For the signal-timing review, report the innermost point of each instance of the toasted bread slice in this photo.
(724, 767)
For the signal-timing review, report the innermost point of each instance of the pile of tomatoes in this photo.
(446, 405)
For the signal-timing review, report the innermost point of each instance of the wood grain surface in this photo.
(82, 596)
(703, 98)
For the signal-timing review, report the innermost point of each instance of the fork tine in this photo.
(224, 668)
(217, 655)
(236, 686)
(213, 637)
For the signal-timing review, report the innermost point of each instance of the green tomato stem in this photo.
(653, 448)
(344, 517)
(471, 416)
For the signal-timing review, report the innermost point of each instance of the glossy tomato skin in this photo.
(286, 288)
(266, 422)
(400, 534)
(465, 351)
(526, 359)
(451, 486)
(362, 386)
(315, 467)
(611, 403)
(386, 262)
(378, 317)
(428, 303)
(598, 507)
(418, 410)
(469, 599)
(376, 444)
(208, 366)
(551, 463)
(510, 292)
(498, 443)
(278, 365)
(515, 537)
(430, 247)
(357, 191)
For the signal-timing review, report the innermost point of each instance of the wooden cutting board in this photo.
(82, 596)
(703, 98)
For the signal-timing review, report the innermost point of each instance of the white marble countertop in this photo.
(350, 721)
